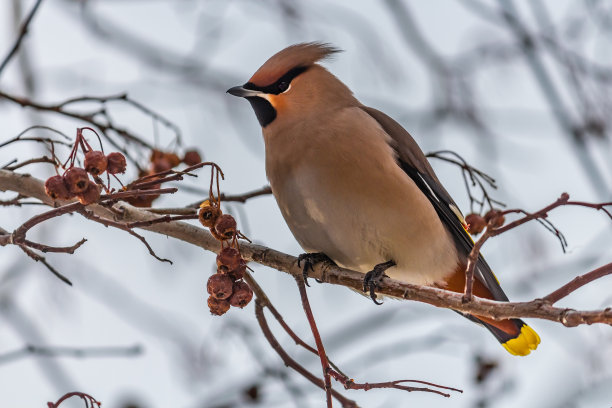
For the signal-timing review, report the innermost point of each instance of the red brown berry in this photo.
(56, 188)
(159, 165)
(192, 157)
(476, 223)
(495, 217)
(116, 163)
(220, 286)
(238, 272)
(218, 307)
(156, 155)
(173, 159)
(242, 295)
(208, 214)
(90, 195)
(225, 226)
(228, 259)
(95, 162)
(76, 179)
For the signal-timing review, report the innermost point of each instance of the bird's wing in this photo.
(414, 163)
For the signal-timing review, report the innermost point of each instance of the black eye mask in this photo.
(280, 86)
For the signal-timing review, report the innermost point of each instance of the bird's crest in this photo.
(298, 55)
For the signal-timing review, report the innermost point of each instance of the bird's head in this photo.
(291, 85)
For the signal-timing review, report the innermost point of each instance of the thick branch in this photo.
(540, 309)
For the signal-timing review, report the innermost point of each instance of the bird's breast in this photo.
(342, 193)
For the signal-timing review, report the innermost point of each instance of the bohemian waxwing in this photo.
(352, 184)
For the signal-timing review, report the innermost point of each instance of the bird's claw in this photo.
(309, 260)
(372, 279)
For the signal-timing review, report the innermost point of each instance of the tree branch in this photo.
(22, 33)
(536, 308)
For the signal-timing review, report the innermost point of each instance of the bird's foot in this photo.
(373, 278)
(309, 260)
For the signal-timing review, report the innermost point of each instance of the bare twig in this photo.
(76, 352)
(578, 282)
(261, 319)
(242, 198)
(88, 399)
(350, 384)
(43, 159)
(22, 33)
(32, 187)
(315, 332)
(491, 231)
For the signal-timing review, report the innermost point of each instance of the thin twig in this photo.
(76, 352)
(22, 33)
(317, 337)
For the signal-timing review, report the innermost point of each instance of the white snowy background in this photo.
(178, 58)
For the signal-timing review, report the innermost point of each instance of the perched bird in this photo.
(354, 186)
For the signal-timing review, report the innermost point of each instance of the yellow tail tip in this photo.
(522, 345)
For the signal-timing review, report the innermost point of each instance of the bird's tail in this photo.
(514, 334)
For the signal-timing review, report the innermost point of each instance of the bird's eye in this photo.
(283, 86)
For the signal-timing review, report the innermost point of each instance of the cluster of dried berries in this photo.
(161, 161)
(75, 181)
(477, 223)
(226, 287)
(222, 226)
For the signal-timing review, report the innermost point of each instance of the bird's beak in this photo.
(242, 92)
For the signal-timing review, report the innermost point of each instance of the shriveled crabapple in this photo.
(116, 163)
(218, 307)
(496, 217)
(76, 179)
(90, 195)
(208, 213)
(192, 157)
(228, 259)
(159, 165)
(220, 286)
(56, 188)
(172, 158)
(225, 226)
(238, 272)
(95, 162)
(476, 223)
(242, 294)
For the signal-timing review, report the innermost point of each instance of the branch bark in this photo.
(537, 308)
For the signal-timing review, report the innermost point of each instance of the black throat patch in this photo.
(264, 110)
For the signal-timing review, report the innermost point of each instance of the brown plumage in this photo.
(353, 184)
(298, 55)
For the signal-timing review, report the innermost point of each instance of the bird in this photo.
(355, 189)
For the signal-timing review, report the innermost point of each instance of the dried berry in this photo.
(142, 201)
(56, 188)
(76, 179)
(242, 295)
(238, 272)
(228, 259)
(208, 214)
(159, 165)
(495, 217)
(156, 155)
(225, 226)
(173, 159)
(218, 306)
(90, 195)
(115, 163)
(220, 286)
(476, 223)
(192, 157)
(95, 162)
